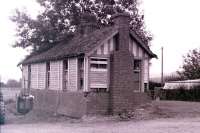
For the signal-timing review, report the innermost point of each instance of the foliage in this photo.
(191, 65)
(13, 83)
(182, 94)
(60, 19)
(2, 109)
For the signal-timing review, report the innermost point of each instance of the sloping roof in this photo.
(144, 46)
(80, 45)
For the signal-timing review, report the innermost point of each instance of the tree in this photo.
(191, 65)
(60, 18)
(13, 83)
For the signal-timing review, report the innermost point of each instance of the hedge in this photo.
(182, 94)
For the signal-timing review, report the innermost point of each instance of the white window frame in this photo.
(98, 62)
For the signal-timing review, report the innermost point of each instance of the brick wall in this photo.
(98, 103)
(121, 82)
(122, 75)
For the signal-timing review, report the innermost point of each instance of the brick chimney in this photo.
(121, 72)
(122, 22)
(88, 24)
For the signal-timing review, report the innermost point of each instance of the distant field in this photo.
(10, 93)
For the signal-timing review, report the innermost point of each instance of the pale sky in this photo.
(175, 25)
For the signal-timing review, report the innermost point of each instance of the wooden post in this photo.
(162, 79)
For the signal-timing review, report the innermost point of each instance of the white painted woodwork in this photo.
(146, 71)
(34, 76)
(86, 77)
(140, 52)
(111, 44)
(105, 48)
(99, 51)
(56, 75)
(73, 74)
(25, 76)
(41, 76)
(98, 78)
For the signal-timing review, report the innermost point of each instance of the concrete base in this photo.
(71, 104)
(74, 104)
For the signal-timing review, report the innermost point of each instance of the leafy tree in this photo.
(191, 65)
(60, 18)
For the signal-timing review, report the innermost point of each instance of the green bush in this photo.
(2, 109)
(182, 94)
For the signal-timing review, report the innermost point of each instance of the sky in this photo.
(175, 25)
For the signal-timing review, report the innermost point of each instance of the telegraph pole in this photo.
(162, 79)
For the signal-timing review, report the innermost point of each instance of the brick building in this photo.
(101, 70)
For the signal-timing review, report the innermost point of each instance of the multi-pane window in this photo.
(65, 78)
(98, 64)
(48, 74)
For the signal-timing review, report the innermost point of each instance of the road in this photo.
(169, 125)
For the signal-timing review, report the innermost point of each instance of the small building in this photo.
(101, 70)
(186, 84)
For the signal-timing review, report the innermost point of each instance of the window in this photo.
(48, 75)
(137, 74)
(81, 72)
(65, 74)
(116, 40)
(29, 76)
(145, 87)
(137, 64)
(98, 64)
(99, 90)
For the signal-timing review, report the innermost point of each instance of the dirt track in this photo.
(180, 117)
(151, 126)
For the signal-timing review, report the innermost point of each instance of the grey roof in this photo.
(144, 46)
(78, 46)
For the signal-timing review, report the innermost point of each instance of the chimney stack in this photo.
(122, 22)
(88, 24)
